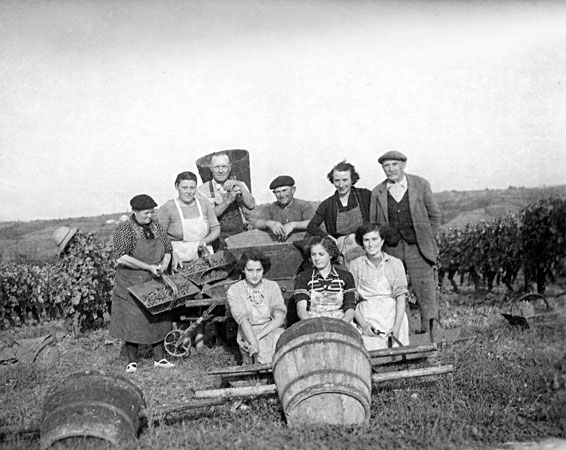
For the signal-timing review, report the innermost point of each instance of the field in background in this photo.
(31, 241)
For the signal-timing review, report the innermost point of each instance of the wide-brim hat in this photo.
(62, 236)
(392, 154)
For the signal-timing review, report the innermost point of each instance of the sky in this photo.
(105, 99)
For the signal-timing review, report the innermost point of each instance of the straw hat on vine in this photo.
(62, 236)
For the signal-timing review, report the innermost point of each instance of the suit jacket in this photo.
(425, 212)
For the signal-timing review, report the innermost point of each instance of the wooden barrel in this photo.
(240, 160)
(323, 373)
(90, 406)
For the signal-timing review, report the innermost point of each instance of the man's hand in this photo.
(289, 227)
(276, 228)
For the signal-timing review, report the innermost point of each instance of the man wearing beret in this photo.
(287, 217)
(406, 203)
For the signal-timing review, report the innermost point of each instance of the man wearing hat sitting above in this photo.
(287, 217)
(406, 203)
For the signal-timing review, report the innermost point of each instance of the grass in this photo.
(510, 385)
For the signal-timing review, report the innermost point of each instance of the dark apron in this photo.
(130, 321)
(230, 221)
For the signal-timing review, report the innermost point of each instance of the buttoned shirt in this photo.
(397, 190)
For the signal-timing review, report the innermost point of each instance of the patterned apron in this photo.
(129, 320)
(194, 231)
(379, 310)
(326, 304)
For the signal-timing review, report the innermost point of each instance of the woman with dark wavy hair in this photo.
(325, 290)
(382, 288)
(344, 211)
(257, 306)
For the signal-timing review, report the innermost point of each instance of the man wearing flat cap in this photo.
(406, 203)
(287, 217)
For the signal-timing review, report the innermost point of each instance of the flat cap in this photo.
(141, 202)
(282, 180)
(392, 154)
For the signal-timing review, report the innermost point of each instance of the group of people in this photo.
(349, 275)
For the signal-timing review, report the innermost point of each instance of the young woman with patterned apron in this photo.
(324, 290)
(382, 287)
(143, 252)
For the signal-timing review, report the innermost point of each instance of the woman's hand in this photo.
(369, 330)
(155, 270)
(249, 347)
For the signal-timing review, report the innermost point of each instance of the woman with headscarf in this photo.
(142, 251)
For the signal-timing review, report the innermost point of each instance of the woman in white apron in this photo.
(257, 306)
(324, 290)
(382, 288)
(191, 225)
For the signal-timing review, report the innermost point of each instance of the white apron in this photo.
(194, 231)
(379, 310)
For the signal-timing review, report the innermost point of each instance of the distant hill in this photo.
(462, 207)
(32, 240)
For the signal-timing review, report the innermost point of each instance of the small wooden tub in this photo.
(91, 405)
(323, 373)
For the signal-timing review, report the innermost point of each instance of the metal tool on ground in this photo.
(530, 310)
(178, 342)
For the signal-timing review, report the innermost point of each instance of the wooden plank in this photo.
(247, 391)
(239, 370)
(205, 301)
(412, 373)
(193, 404)
(378, 357)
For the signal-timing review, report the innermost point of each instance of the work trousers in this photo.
(421, 278)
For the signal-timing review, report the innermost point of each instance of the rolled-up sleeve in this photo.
(124, 240)
(349, 291)
(397, 277)
(236, 301)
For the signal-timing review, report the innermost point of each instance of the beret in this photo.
(393, 154)
(141, 202)
(282, 180)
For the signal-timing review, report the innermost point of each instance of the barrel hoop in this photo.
(321, 389)
(281, 353)
(283, 392)
(109, 406)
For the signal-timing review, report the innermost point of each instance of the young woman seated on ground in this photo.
(257, 306)
(324, 290)
(382, 288)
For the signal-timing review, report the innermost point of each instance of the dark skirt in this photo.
(130, 321)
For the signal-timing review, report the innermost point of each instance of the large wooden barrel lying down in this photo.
(323, 373)
(91, 406)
